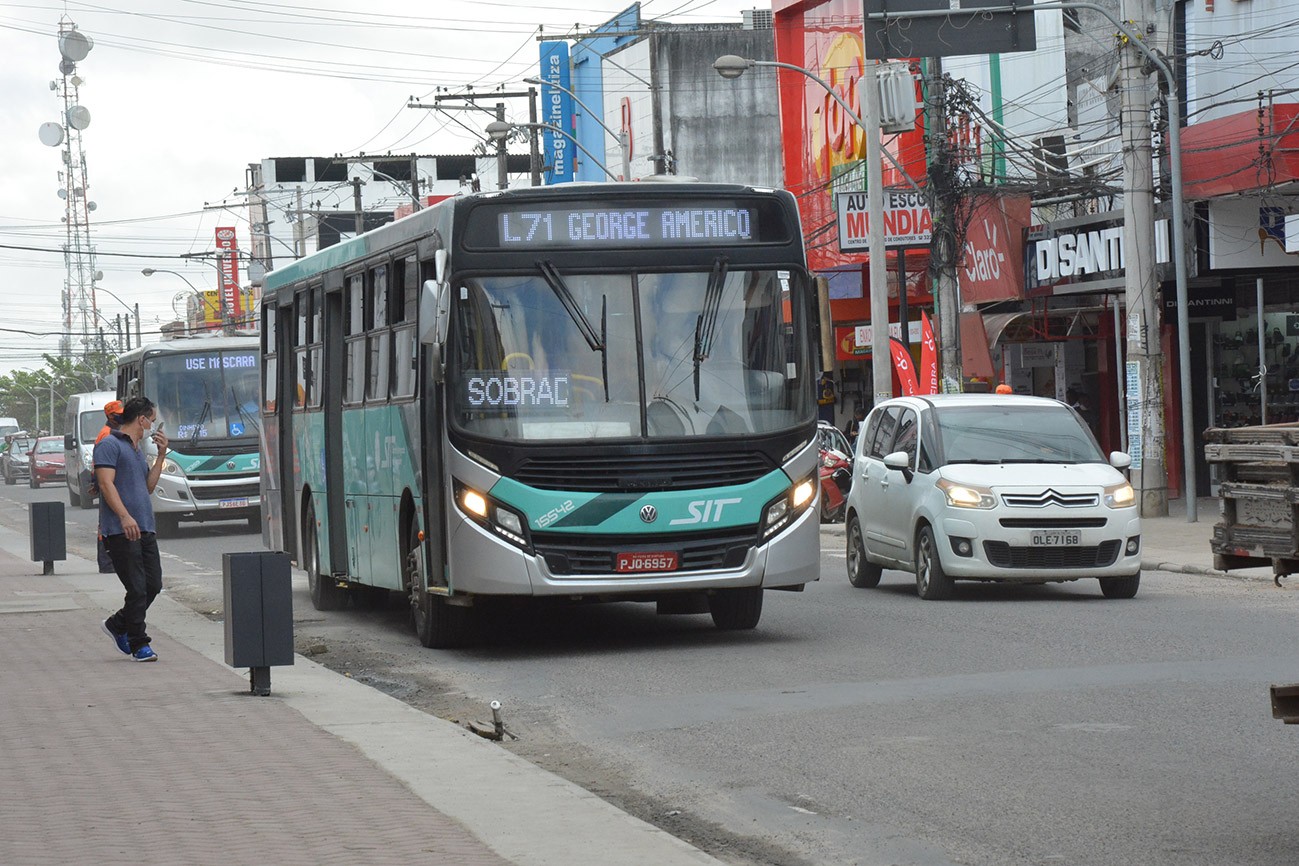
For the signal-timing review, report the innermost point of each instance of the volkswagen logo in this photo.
(230, 465)
(649, 513)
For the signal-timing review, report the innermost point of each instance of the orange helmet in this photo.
(1004, 389)
(112, 407)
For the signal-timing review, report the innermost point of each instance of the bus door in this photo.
(355, 465)
(332, 407)
(279, 402)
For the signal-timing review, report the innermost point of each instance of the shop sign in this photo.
(907, 220)
(993, 266)
(853, 343)
(1084, 255)
(1203, 302)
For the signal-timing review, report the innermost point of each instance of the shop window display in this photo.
(1238, 370)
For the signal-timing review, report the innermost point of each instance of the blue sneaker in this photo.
(145, 654)
(122, 641)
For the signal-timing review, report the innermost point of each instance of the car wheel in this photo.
(1121, 587)
(324, 592)
(736, 609)
(861, 573)
(166, 525)
(32, 482)
(932, 583)
(9, 477)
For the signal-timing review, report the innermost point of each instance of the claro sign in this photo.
(1084, 255)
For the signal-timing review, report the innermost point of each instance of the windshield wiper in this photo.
(556, 282)
(243, 413)
(198, 425)
(980, 460)
(706, 324)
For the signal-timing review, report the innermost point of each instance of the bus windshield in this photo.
(551, 356)
(205, 395)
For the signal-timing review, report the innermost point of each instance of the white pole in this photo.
(1262, 359)
(881, 357)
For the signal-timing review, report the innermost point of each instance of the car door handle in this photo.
(884, 482)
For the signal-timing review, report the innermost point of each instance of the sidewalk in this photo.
(108, 760)
(1167, 543)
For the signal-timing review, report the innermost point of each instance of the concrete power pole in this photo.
(942, 258)
(1144, 383)
(357, 183)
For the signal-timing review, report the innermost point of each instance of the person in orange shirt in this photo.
(112, 417)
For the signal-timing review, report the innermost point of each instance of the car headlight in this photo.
(966, 495)
(88, 461)
(486, 511)
(782, 510)
(1120, 495)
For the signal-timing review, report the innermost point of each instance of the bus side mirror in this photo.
(440, 266)
(434, 317)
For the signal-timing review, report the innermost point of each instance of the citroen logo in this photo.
(649, 513)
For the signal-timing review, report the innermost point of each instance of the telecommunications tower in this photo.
(79, 311)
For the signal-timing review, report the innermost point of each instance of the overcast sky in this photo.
(184, 94)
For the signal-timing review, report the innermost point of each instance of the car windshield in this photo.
(22, 446)
(1014, 434)
(91, 424)
(833, 439)
(49, 446)
(557, 356)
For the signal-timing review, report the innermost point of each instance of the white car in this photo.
(989, 487)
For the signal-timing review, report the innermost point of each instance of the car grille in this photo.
(1050, 497)
(588, 555)
(1002, 555)
(1053, 522)
(596, 473)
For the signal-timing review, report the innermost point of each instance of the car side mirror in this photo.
(1120, 460)
(68, 443)
(901, 461)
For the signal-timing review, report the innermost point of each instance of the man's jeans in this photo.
(139, 568)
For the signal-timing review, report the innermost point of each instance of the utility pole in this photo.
(534, 147)
(881, 356)
(299, 231)
(1145, 357)
(942, 245)
(357, 183)
(502, 155)
(414, 181)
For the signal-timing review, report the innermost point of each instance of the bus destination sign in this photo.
(684, 225)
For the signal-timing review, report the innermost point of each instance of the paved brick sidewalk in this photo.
(107, 760)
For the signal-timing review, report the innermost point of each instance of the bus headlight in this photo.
(171, 467)
(487, 512)
(782, 510)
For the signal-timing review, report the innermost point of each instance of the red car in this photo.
(47, 461)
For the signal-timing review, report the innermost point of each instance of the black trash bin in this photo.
(49, 533)
(258, 593)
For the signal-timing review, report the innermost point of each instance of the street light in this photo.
(216, 259)
(499, 130)
(98, 288)
(731, 66)
(148, 272)
(623, 139)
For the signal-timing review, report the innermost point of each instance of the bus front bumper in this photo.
(791, 559)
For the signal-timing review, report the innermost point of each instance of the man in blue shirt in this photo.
(126, 482)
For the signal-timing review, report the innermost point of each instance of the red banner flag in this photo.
(928, 357)
(905, 369)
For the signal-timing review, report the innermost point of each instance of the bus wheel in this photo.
(438, 625)
(736, 609)
(325, 594)
(166, 525)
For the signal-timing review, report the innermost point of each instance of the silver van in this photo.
(83, 421)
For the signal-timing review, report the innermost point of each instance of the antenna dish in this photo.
(74, 45)
(78, 117)
(90, 205)
(63, 193)
(51, 134)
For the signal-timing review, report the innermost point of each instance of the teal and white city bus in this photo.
(206, 392)
(600, 392)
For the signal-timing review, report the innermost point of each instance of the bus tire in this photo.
(438, 625)
(736, 609)
(325, 594)
(166, 525)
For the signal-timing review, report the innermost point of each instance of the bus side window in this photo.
(379, 337)
(354, 364)
(270, 367)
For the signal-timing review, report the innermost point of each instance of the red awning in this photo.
(1247, 151)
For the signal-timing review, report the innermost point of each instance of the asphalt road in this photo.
(1036, 725)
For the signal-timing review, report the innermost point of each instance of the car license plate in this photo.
(659, 560)
(233, 503)
(1055, 538)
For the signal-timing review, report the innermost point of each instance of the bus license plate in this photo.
(660, 560)
(1055, 538)
(233, 503)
